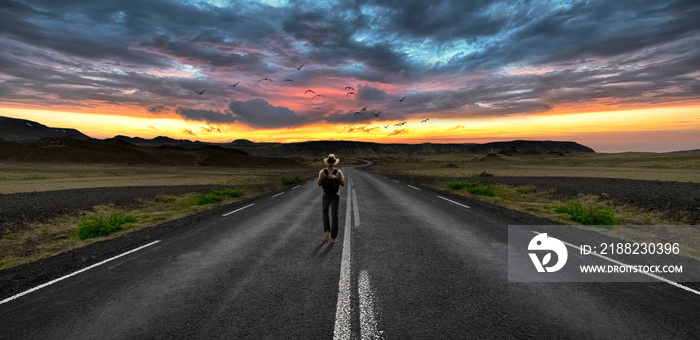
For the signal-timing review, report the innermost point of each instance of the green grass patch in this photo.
(590, 215)
(98, 226)
(287, 181)
(485, 174)
(218, 196)
(473, 188)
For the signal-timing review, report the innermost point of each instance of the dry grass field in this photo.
(28, 177)
(681, 167)
(38, 239)
(438, 171)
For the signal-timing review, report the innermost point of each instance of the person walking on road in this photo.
(330, 179)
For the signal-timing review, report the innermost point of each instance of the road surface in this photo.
(410, 263)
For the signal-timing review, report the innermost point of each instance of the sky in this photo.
(612, 75)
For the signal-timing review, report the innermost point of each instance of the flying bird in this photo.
(349, 93)
(307, 91)
(399, 124)
(234, 85)
(289, 80)
(266, 78)
(386, 126)
(318, 95)
(299, 67)
(424, 120)
(402, 123)
(376, 114)
(199, 92)
(400, 100)
(364, 108)
(349, 88)
(357, 113)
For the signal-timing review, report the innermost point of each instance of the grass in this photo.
(60, 234)
(473, 188)
(588, 215)
(287, 181)
(218, 196)
(98, 226)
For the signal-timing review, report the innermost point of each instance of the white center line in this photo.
(75, 273)
(296, 186)
(356, 210)
(457, 203)
(341, 329)
(368, 320)
(237, 210)
(410, 186)
(395, 181)
(673, 283)
(273, 196)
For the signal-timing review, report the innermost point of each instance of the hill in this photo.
(13, 129)
(323, 148)
(121, 152)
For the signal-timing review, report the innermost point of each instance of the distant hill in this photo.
(321, 148)
(161, 141)
(21, 130)
(121, 152)
(13, 129)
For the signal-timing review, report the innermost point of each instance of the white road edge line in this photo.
(341, 329)
(75, 273)
(368, 320)
(451, 201)
(672, 283)
(395, 181)
(237, 210)
(296, 186)
(273, 196)
(410, 186)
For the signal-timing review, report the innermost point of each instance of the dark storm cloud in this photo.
(209, 116)
(259, 113)
(370, 93)
(535, 55)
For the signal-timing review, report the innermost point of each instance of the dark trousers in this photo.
(331, 201)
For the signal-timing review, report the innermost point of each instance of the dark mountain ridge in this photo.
(131, 149)
(13, 129)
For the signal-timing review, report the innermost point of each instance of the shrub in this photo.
(485, 174)
(287, 181)
(588, 215)
(218, 196)
(91, 227)
(473, 187)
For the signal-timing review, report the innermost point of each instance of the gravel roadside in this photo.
(20, 209)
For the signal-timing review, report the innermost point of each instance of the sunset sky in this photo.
(612, 75)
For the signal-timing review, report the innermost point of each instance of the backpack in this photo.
(331, 182)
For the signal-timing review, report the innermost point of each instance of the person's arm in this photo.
(342, 178)
(320, 173)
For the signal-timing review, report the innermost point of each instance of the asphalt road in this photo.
(408, 264)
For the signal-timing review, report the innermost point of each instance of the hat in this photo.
(331, 160)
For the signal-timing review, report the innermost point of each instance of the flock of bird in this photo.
(350, 91)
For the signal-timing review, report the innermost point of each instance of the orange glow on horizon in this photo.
(553, 125)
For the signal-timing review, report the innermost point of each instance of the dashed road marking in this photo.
(410, 186)
(296, 186)
(368, 318)
(273, 196)
(457, 203)
(395, 181)
(237, 210)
